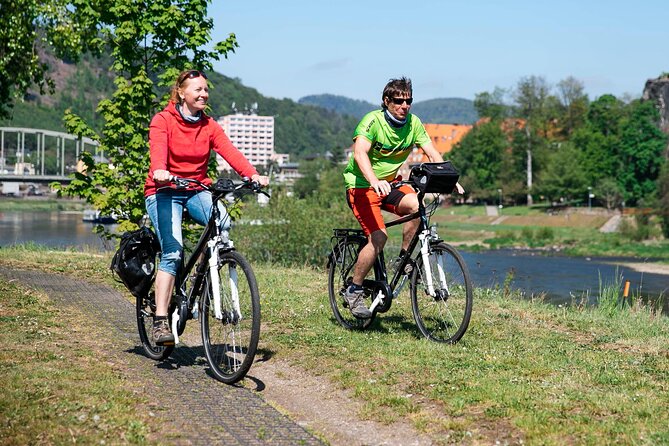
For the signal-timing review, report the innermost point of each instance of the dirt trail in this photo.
(312, 402)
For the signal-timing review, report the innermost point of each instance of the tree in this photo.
(531, 97)
(642, 145)
(663, 201)
(491, 105)
(608, 191)
(147, 40)
(605, 115)
(478, 157)
(28, 26)
(564, 177)
(574, 104)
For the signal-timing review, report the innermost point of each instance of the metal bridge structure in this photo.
(41, 156)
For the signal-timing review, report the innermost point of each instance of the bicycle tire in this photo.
(444, 318)
(340, 271)
(145, 310)
(230, 344)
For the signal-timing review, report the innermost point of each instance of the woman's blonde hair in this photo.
(181, 78)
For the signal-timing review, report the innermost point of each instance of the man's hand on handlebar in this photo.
(382, 187)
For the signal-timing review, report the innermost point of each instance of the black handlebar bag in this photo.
(439, 178)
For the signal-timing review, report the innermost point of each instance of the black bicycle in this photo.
(217, 285)
(440, 286)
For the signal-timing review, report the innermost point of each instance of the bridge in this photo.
(41, 156)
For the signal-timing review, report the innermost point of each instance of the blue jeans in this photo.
(165, 210)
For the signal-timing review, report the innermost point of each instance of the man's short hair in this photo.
(396, 87)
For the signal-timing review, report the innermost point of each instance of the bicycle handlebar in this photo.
(222, 185)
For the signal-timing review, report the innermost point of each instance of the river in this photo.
(560, 279)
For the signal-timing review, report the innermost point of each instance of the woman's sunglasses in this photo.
(192, 74)
(400, 101)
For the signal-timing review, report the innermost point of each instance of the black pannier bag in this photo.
(439, 178)
(135, 260)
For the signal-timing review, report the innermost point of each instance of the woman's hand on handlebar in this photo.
(161, 176)
(260, 179)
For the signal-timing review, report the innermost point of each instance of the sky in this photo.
(291, 49)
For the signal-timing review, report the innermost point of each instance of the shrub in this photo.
(545, 234)
(290, 231)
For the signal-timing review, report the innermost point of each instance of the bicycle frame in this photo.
(206, 252)
(424, 235)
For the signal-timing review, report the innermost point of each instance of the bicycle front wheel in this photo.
(145, 307)
(231, 339)
(444, 315)
(340, 273)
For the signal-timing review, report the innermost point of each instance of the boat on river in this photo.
(95, 216)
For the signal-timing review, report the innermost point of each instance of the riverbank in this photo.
(647, 267)
(574, 232)
(41, 203)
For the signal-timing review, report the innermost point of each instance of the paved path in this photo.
(204, 410)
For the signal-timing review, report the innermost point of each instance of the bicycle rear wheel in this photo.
(445, 316)
(230, 342)
(146, 310)
(340, 272)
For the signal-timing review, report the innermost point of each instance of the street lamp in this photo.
(499, 194)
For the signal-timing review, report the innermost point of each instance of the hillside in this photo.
(301, 130)
(340, 104)
(433, 111)
(446, 111)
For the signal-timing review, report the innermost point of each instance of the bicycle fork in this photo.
(214, 248)
(425, 237)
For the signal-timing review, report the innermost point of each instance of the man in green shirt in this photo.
(382, 142)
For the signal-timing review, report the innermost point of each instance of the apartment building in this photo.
(253, 135)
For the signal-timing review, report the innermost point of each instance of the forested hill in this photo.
(434, 111)
(301, 130)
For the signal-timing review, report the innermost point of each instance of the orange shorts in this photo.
(366, 205)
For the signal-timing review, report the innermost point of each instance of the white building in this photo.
(253, 135)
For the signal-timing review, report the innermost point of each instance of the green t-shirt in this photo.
(390, 147)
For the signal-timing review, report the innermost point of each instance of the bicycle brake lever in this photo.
(180, 183)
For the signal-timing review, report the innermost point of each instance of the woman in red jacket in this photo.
(181, 138)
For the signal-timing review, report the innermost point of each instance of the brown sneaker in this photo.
(162, 334)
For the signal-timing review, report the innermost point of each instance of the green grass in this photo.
(525, 371)
(55, 388)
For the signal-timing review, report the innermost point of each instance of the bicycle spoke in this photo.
(231, 341)
(340, 272)
(145, 311)
(442, 316)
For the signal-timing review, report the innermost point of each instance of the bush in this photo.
(545, 234)
(290, 231)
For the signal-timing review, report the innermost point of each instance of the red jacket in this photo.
(184, 148)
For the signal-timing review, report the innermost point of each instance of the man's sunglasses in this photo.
(192, 74)
(400, 101)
